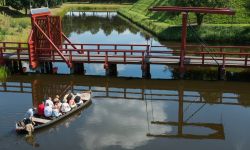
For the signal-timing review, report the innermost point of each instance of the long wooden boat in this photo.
(41, 122)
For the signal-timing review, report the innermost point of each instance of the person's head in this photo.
(34, 109)
(56, 100)
(69, 97)
(77, 99)
(57, 96)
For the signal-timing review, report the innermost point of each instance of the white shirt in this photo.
(65, 107)
(49, 101)
(48, 111)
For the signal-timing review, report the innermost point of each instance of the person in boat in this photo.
(30, 113)
(40, 110)
(48, 110)
(29, 125)
(50, 102)
(78, 100)
(56, 108)
(65, 106)
(70, 100)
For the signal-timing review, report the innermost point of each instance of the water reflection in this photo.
(135, 113)
(101, 27)
(117, 122)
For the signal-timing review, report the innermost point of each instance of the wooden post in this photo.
(183, 43)
(112, 70)
(146, 71)
(183, 39)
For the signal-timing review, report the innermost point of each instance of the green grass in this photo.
(15, 26)
(3, 73)
(167, 26)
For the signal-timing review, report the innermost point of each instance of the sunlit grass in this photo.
(215, 27)
(17, 29)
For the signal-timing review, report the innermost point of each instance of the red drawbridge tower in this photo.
(46, 37)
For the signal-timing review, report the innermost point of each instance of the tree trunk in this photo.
(26, 11)
(199, 18)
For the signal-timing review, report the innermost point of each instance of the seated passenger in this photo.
(78, 100)
(65, 106)
(30, 113)
(40, 110)
(70, 100)
(48, 110)
(49, 101)
(56, 108)
(57, 103)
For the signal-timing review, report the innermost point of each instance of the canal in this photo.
(127, 112)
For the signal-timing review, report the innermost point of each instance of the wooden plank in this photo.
(40, 120)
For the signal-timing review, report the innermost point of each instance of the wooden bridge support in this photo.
(146, 71)
(46, 67)
(221, 73)
(14, 66)
(111, 69)
(77, 68)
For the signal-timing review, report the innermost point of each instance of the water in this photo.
(128, 113)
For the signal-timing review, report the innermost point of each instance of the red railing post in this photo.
(106, 57)
(221, 50)
(246, 60)
(203, 55)
(4, 46)
(98, 48)
(115, 46)
(147, 50)
(183, 40)
(66, 47)
(70, 56)
(224, 61)
(88, 53)
(124, 57)
(82, 49)
(143, 59)
(131, 49)
(18, 51)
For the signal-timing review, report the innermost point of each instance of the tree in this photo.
(16, 4)
(26, 5)
(200, 3)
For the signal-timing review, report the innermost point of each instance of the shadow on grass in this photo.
(12, 13)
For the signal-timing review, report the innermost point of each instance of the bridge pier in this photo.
(146, 71)
(111, 69)
(46, 67)
(221, 73)
(77, 68)
(14, 66)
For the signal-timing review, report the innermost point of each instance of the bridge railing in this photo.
(16, 49)
(115, 47)
(205, 55)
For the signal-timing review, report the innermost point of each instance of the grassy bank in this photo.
(215, 27)
(15, 26)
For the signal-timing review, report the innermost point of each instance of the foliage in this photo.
(200, 3)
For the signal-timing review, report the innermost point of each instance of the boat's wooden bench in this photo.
(40, 120)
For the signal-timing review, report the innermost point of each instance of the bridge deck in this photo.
(118, 59)
(234, 56)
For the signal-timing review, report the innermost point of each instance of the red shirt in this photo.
(40, 109)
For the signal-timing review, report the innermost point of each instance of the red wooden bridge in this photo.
(47, 43)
